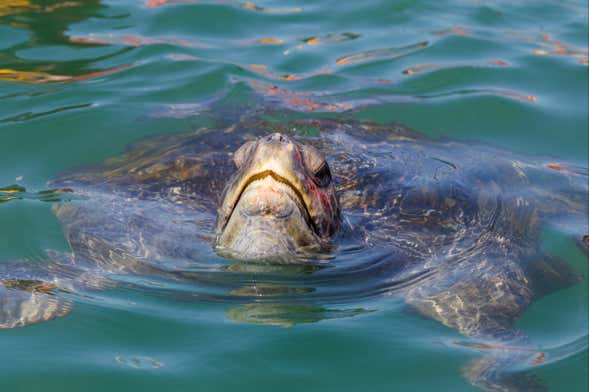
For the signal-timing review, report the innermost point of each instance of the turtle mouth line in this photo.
(278, 178)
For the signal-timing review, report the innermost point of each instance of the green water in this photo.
(80, 80)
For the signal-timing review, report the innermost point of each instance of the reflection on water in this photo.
(14, 192)
(51, 21)
(287, 315)
(452, 229)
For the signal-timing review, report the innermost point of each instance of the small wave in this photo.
(381, 54)
(31, 115)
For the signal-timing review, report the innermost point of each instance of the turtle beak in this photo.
(274, 155)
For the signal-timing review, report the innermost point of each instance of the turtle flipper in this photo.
(561, 192)
(25, 302)
(484, 307)
(549, 274)
(510, 353)
(495, 372)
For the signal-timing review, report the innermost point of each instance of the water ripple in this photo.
(511, 74)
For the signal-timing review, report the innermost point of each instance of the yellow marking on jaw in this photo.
(266, 166)
(294, 185)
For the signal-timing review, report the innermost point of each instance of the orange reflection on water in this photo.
(39, 77)
(137, 40)
(297, 100)
(421, 68)
(131, 40)
(264, 71)
(381, 54)
(269, 40)
(330, 38)
(246, 5)
(259, 69)
(517, 95)
(428, 67)
(559, 48)
(12, 75)
(156, 3)
(456, 30)
(11, 7)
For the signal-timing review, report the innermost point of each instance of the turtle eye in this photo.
(323, 175)
(312, 157)
(243, 153)
(316, 164)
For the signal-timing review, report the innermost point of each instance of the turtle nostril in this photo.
(276, 137)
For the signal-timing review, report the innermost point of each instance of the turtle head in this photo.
(280, 202)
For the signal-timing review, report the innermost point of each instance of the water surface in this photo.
(81, 80)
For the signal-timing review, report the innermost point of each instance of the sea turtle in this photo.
(313, 209)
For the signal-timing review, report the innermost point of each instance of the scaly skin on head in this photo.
(280, 203)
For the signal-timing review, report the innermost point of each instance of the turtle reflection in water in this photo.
(392, 213)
